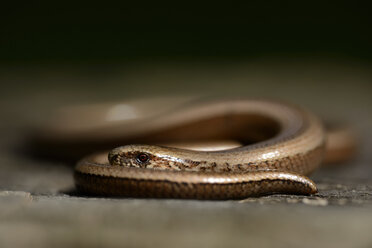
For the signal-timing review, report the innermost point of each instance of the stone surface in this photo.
(37, 208)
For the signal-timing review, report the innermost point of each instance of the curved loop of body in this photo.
(282, 144)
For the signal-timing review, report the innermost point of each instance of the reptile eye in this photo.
(142, 158)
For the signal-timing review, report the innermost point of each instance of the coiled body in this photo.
(281, 144)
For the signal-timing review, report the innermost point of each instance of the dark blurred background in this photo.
(98, 32)
(316, 54)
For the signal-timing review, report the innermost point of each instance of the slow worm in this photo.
(282, 144)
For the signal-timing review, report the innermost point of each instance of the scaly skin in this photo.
(277, 164)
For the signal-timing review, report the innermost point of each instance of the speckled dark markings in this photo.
(302, 163)
(285, 163)
(129, 187)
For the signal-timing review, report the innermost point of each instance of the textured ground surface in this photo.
(37, 211)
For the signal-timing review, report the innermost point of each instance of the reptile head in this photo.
(145, 156)
(131, 156)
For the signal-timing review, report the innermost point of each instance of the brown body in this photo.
(281, 144)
